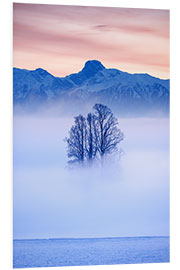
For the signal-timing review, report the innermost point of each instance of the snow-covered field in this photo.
(71, 252)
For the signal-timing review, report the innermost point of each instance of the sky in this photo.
(129, 197)
(62, 38)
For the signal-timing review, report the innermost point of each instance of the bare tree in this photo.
(94, 137)
(91, 138)
(109, 135)
(76, 140)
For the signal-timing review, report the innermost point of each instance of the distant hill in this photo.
(126, 94)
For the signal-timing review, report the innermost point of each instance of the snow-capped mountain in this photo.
(124, 93)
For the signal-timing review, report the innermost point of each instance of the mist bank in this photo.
(129, 197)
(73, 107)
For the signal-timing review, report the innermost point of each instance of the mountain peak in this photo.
(92, 66)
(42, 72)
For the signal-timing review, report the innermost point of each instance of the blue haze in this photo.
(127, 198)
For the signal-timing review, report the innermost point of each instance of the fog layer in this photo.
(126, 198)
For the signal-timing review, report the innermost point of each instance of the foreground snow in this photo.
(92, 251)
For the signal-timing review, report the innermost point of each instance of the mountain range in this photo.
(125, 93)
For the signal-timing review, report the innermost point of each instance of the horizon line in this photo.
(85, 238)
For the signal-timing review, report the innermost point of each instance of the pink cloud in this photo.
(112, 35)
